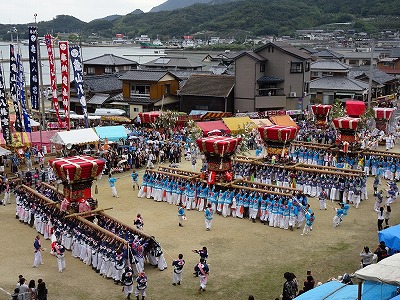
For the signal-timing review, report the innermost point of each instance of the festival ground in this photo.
(244, 258)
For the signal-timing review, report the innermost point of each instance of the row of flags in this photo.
(69, 56)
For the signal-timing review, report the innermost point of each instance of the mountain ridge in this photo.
(239, 19)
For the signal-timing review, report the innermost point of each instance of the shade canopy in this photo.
(218, 145)
(335, 290)
(382, 113)
(262, 122)
(355, 108)
(206, 127)
(277, 133)
(283, 120)
(75, 137)
(18, 140)
(385, 271)
(236, 123)
(46, 136)
(112, 133)
(4, 151)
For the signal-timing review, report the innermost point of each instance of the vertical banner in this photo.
(13, 89)
(34, 68)
(4, 112)
(76, 63)
(53, 82)
(64, 59)
(21, 93)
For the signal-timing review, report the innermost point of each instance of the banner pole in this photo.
(42, 110)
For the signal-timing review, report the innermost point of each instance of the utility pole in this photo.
(370, 74)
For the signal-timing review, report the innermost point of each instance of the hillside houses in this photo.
(275, 76)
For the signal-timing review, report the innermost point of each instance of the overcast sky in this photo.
(22, 11)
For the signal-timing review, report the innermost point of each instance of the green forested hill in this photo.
(238, 19)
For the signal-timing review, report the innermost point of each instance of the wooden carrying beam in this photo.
(309, 168)
(101, 229)
(94, 226)
(329, 168)
(328, 172)
(178, 171)
(135, 230)
(87, 212)
(311, 145)
(260, 190)
(260, 163)
(172, 174)
(381, 153)
(101, 212)
(271, 186)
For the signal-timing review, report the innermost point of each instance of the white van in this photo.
(109, 112)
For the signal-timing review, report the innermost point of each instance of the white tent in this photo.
(385, 271)
(75, 137)
(4, 151)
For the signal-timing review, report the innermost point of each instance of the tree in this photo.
(246, 133)
(367, 120)
(337, 110)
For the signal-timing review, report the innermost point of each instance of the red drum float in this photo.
(347, 127)
(277, 139)
(77, 174)
(321, 113)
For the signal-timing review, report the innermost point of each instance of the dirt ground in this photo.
(244, 258)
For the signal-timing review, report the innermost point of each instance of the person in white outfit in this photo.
(60, 254)
(37, 247)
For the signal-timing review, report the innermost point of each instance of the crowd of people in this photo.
(280, 211)
(30, 291)
(336, 187)
(112, 259)
(108, 256)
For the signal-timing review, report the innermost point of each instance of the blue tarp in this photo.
(334, 290)
(112, 133)
(322, 291)
(391, 237)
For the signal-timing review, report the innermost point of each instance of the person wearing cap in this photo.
(290, 287)
(141, 286)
